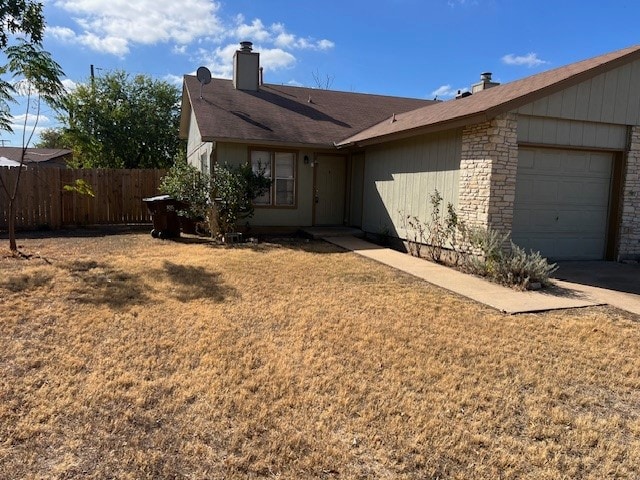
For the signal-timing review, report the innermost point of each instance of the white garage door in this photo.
(562, 202)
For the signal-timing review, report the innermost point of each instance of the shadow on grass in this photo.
(101, 284)
(80, 232)
(195, 283)
(25, 282)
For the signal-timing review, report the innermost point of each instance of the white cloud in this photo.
(30, 123)
(462, 3)
(286, 40)
(61, 33)
(446, 91)
(294, 83)
(220, 60)
(255, 32)
(173, 79)
(190, 27)
(112, 26)
(325, 44)
(276, 59)
(69, 85)
(528, 60)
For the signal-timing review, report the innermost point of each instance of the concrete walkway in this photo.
(562, 295)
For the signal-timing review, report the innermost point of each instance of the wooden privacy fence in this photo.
(42, 201)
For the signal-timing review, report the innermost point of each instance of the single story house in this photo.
(37, 157)
(553, 158)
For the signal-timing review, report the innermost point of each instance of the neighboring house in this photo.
(554, 158)
(38, 157)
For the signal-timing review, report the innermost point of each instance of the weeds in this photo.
(477, 250)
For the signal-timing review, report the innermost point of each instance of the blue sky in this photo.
(413, 48)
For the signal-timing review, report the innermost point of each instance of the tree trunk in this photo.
(12, 225)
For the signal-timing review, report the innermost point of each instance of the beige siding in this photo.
(611, 97)
(399, 178)
(356, 191)
(573, 133)
(195, 146)
(301, 215)
(232, 153)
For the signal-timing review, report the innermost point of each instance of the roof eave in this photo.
(265, 142)
(413, 132)
(185, 112)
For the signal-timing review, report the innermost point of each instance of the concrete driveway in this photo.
(617, 284)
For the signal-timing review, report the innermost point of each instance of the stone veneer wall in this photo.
(488, 164)
(629, 246)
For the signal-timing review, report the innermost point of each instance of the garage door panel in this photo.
(546, 190)
(525, 190)
(577, 162)
(555, 247)
(584, 193)
(526, 159)
(562, 209)
(601, 163)
(580, 222)
(548, 162)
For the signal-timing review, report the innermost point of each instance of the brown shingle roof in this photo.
(35, 155)
(486, 104)
(284, 114)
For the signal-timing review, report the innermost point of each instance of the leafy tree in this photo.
(223, 198)
(116, 121)
(186, 183)
(233, 190)
(51, 138)
(30, 72)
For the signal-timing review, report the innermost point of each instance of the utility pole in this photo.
(93, 98)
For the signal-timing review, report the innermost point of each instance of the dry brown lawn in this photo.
(127, 357)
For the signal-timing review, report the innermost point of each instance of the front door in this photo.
(330, 180)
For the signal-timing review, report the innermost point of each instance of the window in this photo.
(280, 167)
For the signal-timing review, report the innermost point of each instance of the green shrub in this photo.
(513, 267)
(186, 183)
(222, 199)
(522, 269)
(233, 190)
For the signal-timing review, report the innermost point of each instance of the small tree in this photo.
(37, 77)
(186, 183)
(223, 199)
(233, 191)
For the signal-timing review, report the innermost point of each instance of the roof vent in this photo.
(485, 76)
(246, 46)
(462, 94)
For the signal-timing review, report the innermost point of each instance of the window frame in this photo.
(272, 189)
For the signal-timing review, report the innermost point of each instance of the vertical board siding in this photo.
(400, 177)
(571, 133)
(611, 97)
(42, 200)
(357, 185)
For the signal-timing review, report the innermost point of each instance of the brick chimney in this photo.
(246, 68)
(484, 83)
